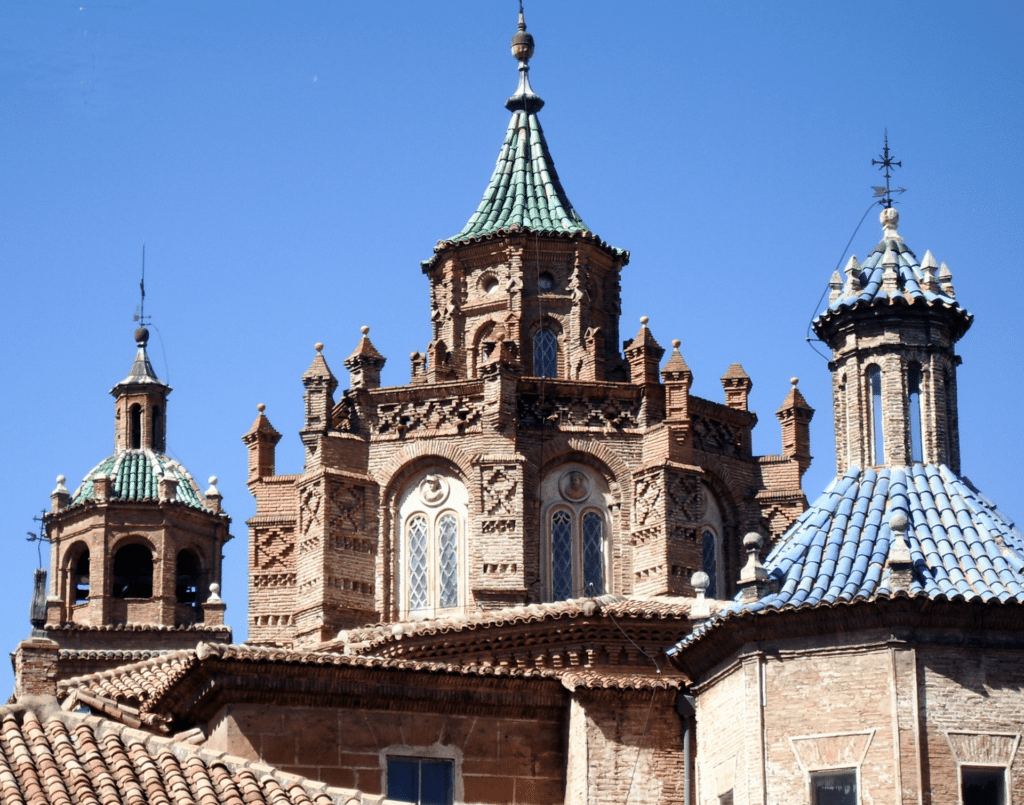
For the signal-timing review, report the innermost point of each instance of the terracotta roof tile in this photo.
(70, 759)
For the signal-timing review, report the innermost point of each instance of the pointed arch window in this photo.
(433, 513)
(576, 519)
(877, 441)
(545, 353)
(914, 411)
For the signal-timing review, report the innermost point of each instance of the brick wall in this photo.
(498, 760)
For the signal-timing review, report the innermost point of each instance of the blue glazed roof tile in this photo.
(962, 547)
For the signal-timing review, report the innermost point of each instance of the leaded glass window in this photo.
(593, 559)
(545, 353)
(433, 511)
(448, 565)
(709, 550)
(418, 563)
(561, 555)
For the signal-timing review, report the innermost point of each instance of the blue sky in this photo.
(289, 165)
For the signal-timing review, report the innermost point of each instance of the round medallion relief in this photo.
(434, 490)
(574, 486)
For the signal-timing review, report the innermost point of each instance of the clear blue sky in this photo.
(289, 165)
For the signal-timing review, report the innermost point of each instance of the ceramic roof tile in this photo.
(136, 476)
(524, 190)
(866, 282)
(961, 545)
(69, 759)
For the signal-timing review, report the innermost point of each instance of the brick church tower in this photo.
(136, 548)
(528, 460)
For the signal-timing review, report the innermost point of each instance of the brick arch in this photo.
(561, 446)
(415, 453)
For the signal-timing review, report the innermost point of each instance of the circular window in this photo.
(546, 281)
(489, 285)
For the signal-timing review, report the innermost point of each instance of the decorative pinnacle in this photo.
(885, 163)
(522, 49)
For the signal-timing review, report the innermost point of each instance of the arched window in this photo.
(133, 572)
(545, 353)
(914, 411)
(189, 575)
(80, 577)
(576, 517)
(711, 547)
(877, 441)
(432, 513)
(136, 426)
(158, 428)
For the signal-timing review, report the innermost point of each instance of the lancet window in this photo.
(545, 353)
(914, 411)
(877, 442)
(576, 525)
(433, 516)
(712, 558)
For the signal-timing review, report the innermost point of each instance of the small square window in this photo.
(421, 780)
(981, 786)
(838, 787)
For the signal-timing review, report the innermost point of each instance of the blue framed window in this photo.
(424, 781)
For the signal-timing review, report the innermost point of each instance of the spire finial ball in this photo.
(61, 479)
(142, 336)
(644, 320)
(364, 330)
(261, 407)
(522, 42)
(889, 218)
(318, 346)
(794, 380)
(676, 343)
(213, 480)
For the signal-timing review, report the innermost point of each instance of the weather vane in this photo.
(140, 314)
(886, 163)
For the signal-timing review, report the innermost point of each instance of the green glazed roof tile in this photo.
(136, 476)
(524, 190)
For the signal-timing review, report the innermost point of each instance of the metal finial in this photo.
(885, 163)
(522, 49)
(140, 311)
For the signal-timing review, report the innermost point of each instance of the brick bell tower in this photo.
(136, 548)
(892, 324)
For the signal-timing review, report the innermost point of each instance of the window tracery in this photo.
(545, 353)
(432, 517)
(576, 522)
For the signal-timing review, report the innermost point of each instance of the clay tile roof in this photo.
(594, 680)
(616, 605)
(135, 684)
(70, 759)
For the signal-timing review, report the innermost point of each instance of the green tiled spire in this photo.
(524, 190)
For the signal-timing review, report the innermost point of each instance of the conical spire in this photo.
(142, 370)
(524, 190)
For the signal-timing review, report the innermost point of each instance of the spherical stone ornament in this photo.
(61, 479)
(142, 336)
(794, 380)
(364, 330)
(752, 541)
(700, 581)
(318, 346)
(213, 480)
(899, 522)
(644, 320)
(261, 407)
(676, 343)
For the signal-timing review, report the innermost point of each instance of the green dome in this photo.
(136, 476)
